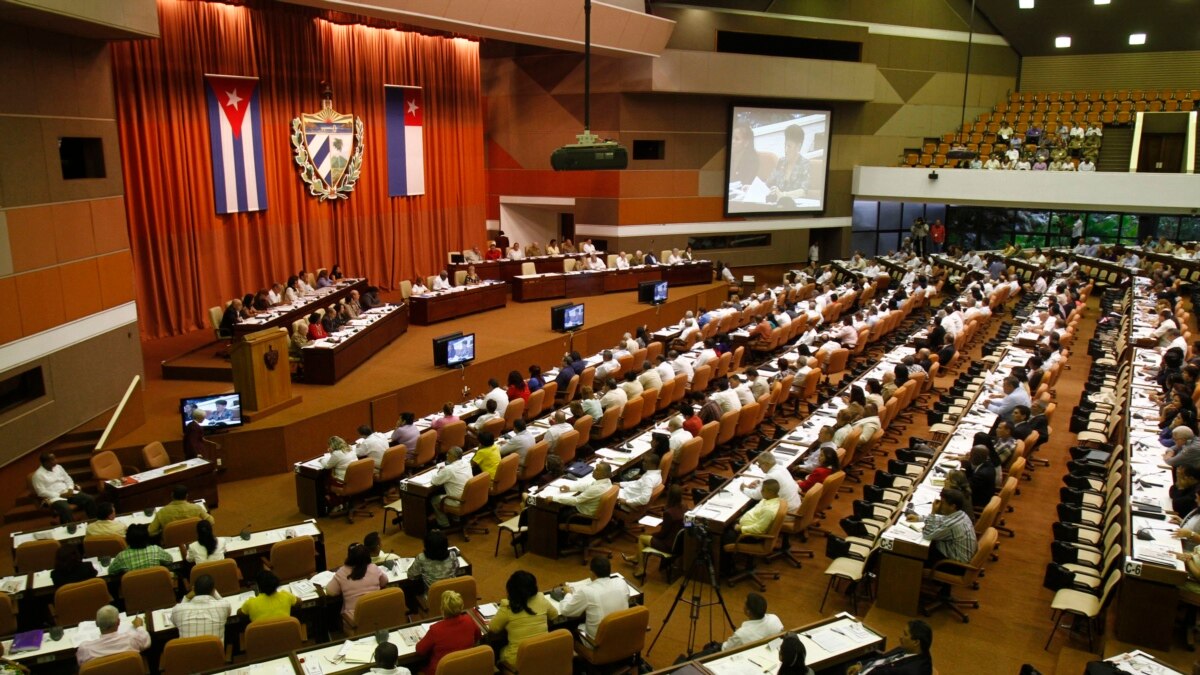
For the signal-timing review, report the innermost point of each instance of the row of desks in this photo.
(283, 316)
(527, 288)
(330, 359)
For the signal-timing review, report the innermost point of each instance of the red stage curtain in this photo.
(186, 257)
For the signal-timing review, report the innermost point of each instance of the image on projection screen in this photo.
(777, 160)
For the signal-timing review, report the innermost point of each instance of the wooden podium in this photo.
(262, 373)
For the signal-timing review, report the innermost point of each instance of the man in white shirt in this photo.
(649, 378)
(593, 262)
(514, 252)
(665, 372)
(788, 490)
(453, 478)
(1087, 165)
(869, 423)
(371, 444)
(631, 386)
(758, 624)
(1166, 321)
(522, 440)
(679, 435)
(112, 639)
(54, 486)
(557, 429)
(1012, 154)
(614, 396)
(495, 393)
(607, 366)
(726, 397)
(203, 612)
(604, 595)
(442, 282)
(745, 396)
(387, 654)
(992, 164)
(708, 356)
(340, 456)
(587, 246)
(1175, 339)
(674, 258)
(621, 262)
(275, 295)
(634, 493)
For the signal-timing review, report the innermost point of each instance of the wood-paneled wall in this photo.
(1149, 70)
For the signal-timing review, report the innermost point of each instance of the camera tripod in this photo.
(700, 575)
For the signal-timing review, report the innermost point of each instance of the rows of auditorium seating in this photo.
(1048, 110)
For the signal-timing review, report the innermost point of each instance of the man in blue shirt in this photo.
(1014, 395)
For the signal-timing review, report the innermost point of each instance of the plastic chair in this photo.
(148, 589)
(225, 573)
(179, 533)
(620, 637)
(80, 601)
(471, 661)
(35, 556)
(192, 655)
(270, 637)
(123, 663)
(552, 652)
(155, 455)
(360, 478)
(377, 610)
(293, 559)
(95, 546)
(474, 499)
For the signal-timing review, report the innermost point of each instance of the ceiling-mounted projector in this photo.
(590, 154)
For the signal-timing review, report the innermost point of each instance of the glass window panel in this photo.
(889, 216)
(1129, 226)
(912, 212)
(1189, 228)
(888, 242)
(863, 242)
(865, 216)
(1168, 226)
(935, 212)
(1104, 226)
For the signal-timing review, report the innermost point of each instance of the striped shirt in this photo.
(953, 535)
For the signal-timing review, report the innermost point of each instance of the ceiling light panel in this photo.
(1137, 38)
(1062, 41)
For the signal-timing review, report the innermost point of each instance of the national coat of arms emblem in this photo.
(329, 150)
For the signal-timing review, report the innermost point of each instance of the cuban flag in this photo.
(405, 141)
(235, 133)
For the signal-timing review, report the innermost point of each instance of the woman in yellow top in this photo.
(524, 614)
(270, 603)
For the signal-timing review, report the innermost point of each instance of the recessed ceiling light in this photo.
(1025, 4)
(1062, 41)
(1101, 2)
(1137, 38)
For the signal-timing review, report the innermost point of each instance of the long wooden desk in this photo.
(505, 268)
(330, 359)
(153, 488)
(444, 305)
(527, 288)
(73, 533)
(285, 315)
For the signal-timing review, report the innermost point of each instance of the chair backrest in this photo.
(460, 277)
(808, 508)
(608, 423)
(604, 513)
(464, 586)
(620, 635)
(8, 615)
(568, 394)
(179, 532)
(649, 403)
(360, 476)
(35, 556)
(583, 425)
(728, 427)
(987, 517)
(155, 455)
(832, 484)
(631, 415)
(506, 474)
(552, 652)
(192, 655)
(380, 609)
(737, 358)
(688, 457)
(748, 419)
(474, 497)
(514, 412)
(426, 448)
(700, 378)
(709, 433)
(293, 559)
(80, 601)
(666, 394)
(534, 406)
(122, 663)
(215, 314)
(225, 573)
(551, 389)
(405, 289)
(106, 466)
(474, 660)
(565, 447)
(723, 365)
(535, 460)
(653, 351)
(269, 637)
(680, 389)
(391, 466)
(494, 426)
(588, 377)
(837, 361)
(148, 589)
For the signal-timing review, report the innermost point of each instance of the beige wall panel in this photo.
(85, 188)
(712, 183)
(1158, 70)
(839, 201)
(664, 112)
(24, 176)
(6, 264)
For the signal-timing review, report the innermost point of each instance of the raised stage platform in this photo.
(400, 377)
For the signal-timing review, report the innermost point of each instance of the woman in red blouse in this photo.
(829, 464)
(517, 388)
(456, 630)
(315, 330)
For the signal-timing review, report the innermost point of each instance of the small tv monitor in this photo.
(652, 292)
(221, 411)
(660, 292)
(566, 317)
(461, 350)
(440, 347)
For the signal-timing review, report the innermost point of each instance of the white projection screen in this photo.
(777, 161)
